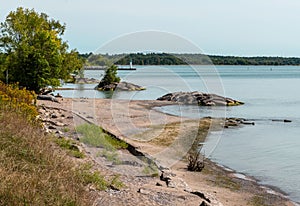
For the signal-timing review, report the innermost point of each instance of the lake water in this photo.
(268, 151)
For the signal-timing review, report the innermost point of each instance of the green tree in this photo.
(110, 76)
(36, 55)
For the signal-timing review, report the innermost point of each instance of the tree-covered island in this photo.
(184, 59)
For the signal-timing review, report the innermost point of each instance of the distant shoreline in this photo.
(189, 59)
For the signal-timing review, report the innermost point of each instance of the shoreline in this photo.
(269, 188)
(142, 108)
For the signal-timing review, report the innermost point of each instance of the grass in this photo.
(66, 129)
(85, 175)
(227, 182)
(151, 169)
(95, 136)
(111, 156)
(70, 147)
(32, 171)
(116, 183)
(257, 201)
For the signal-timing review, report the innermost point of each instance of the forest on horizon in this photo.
(185, 59)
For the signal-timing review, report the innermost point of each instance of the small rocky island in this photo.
(199, 98)
(124, 86)
(111, 82)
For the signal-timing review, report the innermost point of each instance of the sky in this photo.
(218, 27)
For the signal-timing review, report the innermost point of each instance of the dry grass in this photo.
(31, 172)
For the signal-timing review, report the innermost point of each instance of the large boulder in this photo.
(199, 98)
(124, 86)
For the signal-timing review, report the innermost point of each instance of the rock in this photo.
(180, 183)
(204, 204)
(171, 183)
(59, 124)
(282, 120)
(198, 98)
(51, 127)
(144, 191)
(248, 123)
(58, 95)
(166, 175)
(159, 184)
(201, 195)
(231, 123)
(58, 132)
(80, 80)
(47, 97)
(54, 116)
(132, 163)
(124, 86)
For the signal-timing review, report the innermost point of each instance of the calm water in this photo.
(269, 151)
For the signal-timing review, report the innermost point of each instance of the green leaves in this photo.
(110, 76)
(36, 55)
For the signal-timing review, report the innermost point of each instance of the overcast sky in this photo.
(225, 27)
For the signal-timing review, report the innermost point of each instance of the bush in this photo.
(18, 100)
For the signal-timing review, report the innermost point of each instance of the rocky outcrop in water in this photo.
(124, 86)
(199, 98)
(87, 80)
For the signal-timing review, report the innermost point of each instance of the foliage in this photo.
(110, 76)
(19, 100)
(70, 146)
(32, 173)
(85, 174)
(35, 54)
(184, 59)
(116, 183)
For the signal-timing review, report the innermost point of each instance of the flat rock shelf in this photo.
(199, 98)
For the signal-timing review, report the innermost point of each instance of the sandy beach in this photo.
(166, 140)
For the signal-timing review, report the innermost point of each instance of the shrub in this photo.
(18, 100)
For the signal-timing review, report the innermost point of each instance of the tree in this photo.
(110, 76)
(36, 55)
